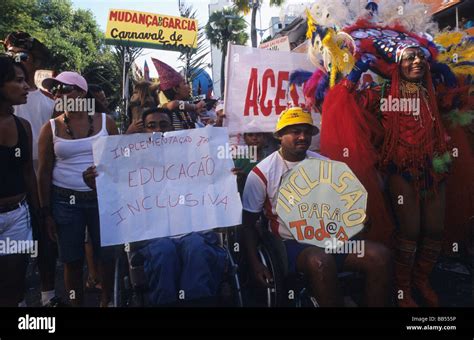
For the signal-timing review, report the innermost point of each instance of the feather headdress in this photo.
(456, 51)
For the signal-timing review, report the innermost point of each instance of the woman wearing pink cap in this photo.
(68, 204)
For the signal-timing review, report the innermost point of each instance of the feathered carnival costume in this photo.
(363, 122)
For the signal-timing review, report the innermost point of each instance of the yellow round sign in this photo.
(322, 203)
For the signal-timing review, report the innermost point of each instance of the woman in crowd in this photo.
(409, 143)
(18, 190)
(68, 204)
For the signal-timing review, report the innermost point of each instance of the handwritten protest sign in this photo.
(154, 185)
(322, 202)
(150, 30)
(256, 88)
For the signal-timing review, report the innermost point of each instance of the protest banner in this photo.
(149, 30)
(278, 44)
(154, 185)
(302, 48)
(322, 202)
(256, 88)
(41, 75)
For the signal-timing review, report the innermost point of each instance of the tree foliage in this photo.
(245, 6)
(195, 60)
(72, 36)
(223, 27)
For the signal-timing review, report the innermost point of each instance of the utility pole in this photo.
(125, 94)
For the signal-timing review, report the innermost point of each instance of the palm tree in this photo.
(121, 54)
(194, 59)
(223, 27)
(246, 6)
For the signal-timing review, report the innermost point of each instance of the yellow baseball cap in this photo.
(295, 116)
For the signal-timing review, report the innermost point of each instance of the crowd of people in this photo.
(48, 190)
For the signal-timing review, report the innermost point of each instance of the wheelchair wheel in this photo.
(275, 296)
(234, 281)
(231, 289)
(121, 296)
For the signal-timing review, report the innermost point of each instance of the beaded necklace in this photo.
(416, 91)
(69, 130)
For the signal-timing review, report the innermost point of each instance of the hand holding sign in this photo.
(322, 202)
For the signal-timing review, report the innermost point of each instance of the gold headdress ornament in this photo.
(334, 48)
(311, 24)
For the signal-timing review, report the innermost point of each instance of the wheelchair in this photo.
(130, 283)
(290, 289)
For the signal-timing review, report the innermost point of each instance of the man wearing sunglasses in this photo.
(37, 111)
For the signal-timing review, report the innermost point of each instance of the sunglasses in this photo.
(62, 89)
(411, 56)
(18, 56)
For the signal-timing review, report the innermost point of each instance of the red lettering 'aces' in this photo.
(264, 105)
(281, 93)
(267, 75)
(252, 93)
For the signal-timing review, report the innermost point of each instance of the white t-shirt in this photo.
(261, 189)
(37, 111)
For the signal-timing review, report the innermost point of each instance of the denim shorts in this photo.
(72, 213)
(15, 226)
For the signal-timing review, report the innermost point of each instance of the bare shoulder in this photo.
(110, 125)
(46, 129)
(26, 124)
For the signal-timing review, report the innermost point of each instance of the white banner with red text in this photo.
(257, 88)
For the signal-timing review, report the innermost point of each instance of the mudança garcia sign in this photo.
(149, 30)
(322, 202)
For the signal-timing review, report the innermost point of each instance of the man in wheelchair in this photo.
(184, 270)
(294, 130)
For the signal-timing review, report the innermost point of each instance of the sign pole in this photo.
(126, 60)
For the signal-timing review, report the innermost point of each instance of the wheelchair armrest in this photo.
(137, 270)
(135, 246)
